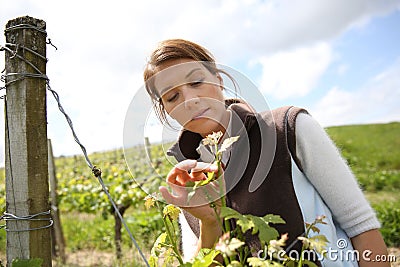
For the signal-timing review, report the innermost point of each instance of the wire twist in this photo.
(25, 26)
(32, 217)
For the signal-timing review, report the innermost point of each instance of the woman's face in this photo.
(192, 95)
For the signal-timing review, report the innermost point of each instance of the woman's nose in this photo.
(191, 99)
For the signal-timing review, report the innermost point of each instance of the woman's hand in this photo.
(197, 201)
(372, 249)
(194, 200)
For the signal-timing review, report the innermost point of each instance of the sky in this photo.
(338, 59)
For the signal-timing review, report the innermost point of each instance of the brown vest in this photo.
(268, 164)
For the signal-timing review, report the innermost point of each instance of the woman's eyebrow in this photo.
(186, 76)
(190, 72)
(164, 90)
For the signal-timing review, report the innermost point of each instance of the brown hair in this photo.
(175, 49)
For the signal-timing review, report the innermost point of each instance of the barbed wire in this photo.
(39, 75)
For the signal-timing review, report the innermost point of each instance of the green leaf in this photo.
(257, 262)
(291, 263)
(204, 182)
(271, 218)
(205, 258)
(153, 261)
(257, 224)
(190, 184)
(228, 212)
(36, 262)
(203, 252)
(309, 263)
(318, 243)
(194, 185)
(246, 224)
(235, 264)
(169, 257)
(265, 232)
(186, 264)
(160, 242)
(312, 227)
(171, 211)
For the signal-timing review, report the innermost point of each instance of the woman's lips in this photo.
(200, 114)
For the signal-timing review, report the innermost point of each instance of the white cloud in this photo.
(336, 107)
(377, 101)
(270, 26)
(294, 73)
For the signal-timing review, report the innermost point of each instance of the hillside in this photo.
(372, 151)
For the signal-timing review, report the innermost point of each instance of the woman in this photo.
(284, 163)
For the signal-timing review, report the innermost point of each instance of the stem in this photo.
(226, 227)
(226, 260)
(242, 249)
(300, 264)
(214, 206)
(170, 237)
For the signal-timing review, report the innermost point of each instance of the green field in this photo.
(372, 151)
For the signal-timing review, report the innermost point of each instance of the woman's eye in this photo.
(197, 83)
(173, 97)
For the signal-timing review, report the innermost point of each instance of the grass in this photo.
(379, 197)
(373, 153)
(94, 232)
(370, 144)
(91, 236)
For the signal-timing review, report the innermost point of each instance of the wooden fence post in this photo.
(58, 244)
(27, 188)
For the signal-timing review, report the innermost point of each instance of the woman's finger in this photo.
(198, 171)
(179, 174)
(204, 167)
(197, 176)
(168, 197)
(186, 165)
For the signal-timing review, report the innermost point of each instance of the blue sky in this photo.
(339, 59)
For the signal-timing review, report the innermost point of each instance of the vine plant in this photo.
(230, 250)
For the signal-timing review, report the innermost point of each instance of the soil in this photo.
(88, 258)
(396, 252)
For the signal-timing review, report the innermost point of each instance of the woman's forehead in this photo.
(173, 74)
